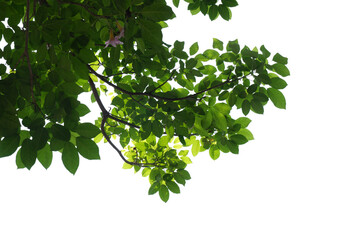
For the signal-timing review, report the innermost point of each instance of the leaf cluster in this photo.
(166, 100)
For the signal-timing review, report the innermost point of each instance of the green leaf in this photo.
(164, 193)
(45, 156)
(28, 155)
(277, 83)
(60, 132)
(214, 152)
(219, 120)
(223, 108)
(88, 130)
(265, 52)
(9, 145)
(218, 44)
(176, 3)
(184, 174)
(173, 187)
(257, 107)
(211, 54)
(277, 98)
(40, 138)
(146, 172)
(244, 121)
(239, 139)
(281, 69)
(82, 109)
(229, 3)
(87, 148)
(245, 107)
(151, 32)
(157, 12)
(206, 122)
(179, 179)
(194, 48)
(157, 128)
(87, 56)
(233, 147)
(70, 157)
(224, 12)
(154, 188)
(233, 46)
(245, 132)
(18, 160)
(280, 59)
(195, 149)
(213, 12)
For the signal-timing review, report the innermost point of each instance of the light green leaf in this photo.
(223, 108)
(219, 120)
(194, 48)
(45, 156)
(277, 98)
(218, 44)
(211, 54)
(154, 188)
(146, 172)
(164, 193)
(195, 148)
(277, 83)
(214, 152)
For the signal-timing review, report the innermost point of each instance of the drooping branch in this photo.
(105, 117)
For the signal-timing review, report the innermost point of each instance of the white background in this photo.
(299, 179)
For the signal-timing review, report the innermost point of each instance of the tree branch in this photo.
(107, 115)
(191, 96)
(84, 7)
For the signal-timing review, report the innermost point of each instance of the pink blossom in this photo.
(113, 41)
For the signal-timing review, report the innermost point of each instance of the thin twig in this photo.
(172, 74)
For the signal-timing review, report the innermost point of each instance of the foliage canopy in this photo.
(163, 97)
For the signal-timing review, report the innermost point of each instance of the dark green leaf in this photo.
(239, 139)
(151, 32)
(213, 12)
(184, 174)
(233, 46)
(87, 56)
(87, 148)
(9, 145)
(233, 146)
(157, 128)
(230, 3)
(179, 179)
(265, 52)
(28, 155)
(40, 138)
(60, 132)
(245, 107)
(280, 59)
(277, 98)
(88, 130)
(70, 157)
(176, 3)
(224, 12)
(157, 12)
(173, 187)
(257, 107)
(154, 188)
(219, 120)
